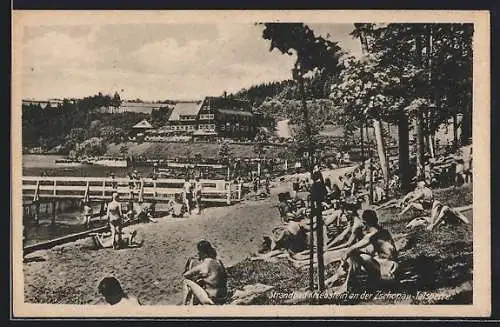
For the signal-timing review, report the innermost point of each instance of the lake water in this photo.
(35, 164)
(70, 221)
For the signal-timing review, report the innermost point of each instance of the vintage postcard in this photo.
(250, 163)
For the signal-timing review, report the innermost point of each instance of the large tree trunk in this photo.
(381, 149)
(466, 126)
(362, 143)
(455, 128)
(419, 135)
(319, 248)
(404, 153)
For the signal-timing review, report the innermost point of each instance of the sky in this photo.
(155, 61)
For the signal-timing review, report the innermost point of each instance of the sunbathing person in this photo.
(420, 199)
(114, 294)
(207, 282)
(352, 233)
(442, 214)
(291, 237)
(375, 253)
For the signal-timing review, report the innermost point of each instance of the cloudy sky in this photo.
(155, 61)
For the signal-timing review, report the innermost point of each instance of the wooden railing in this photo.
(40, 188)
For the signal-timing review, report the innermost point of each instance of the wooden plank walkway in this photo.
(101, 188)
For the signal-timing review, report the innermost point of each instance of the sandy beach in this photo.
(70, 273)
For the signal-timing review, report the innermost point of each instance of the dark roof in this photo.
(145, 107)
(236, 112)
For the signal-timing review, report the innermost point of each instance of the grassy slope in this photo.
(440, 260)
(172, 150)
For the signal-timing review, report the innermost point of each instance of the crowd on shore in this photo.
(351, 235)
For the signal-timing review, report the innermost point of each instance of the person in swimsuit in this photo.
(114, 294)
(376, 253)
(207, 282)
(87, 213)
(353, 232)
(187, 194)
(420, 199)
(197, 194)
(115, 219)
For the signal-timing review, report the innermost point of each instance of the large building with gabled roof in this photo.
(214, 116)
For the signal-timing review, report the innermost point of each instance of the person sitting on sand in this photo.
(376, 252)
(292, 237)
(114, 294)
(115, 220)
(146, 212)
(207, 282)
(131, 239)
(420, 199)
(176, 207)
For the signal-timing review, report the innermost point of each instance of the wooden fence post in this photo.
(37, 212)
(228, 195)
(53, 212)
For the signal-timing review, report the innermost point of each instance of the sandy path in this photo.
(70, 273)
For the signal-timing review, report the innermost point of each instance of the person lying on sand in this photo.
(207, 282)
(439, 214)
(420, 199)
(376, 253)
(444, 214)
(113, 293)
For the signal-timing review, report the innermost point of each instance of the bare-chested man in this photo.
(376, 253)
(208, 280)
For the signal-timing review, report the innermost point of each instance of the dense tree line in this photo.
(71, 123)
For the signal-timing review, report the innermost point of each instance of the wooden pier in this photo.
(47, 189)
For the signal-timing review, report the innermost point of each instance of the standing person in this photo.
(115, 220)
(255, 186)
(197, 194)
(208, 280)
(296, 187)
(114, 184)
(187, 194)
(114, 294)
(87, 213)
